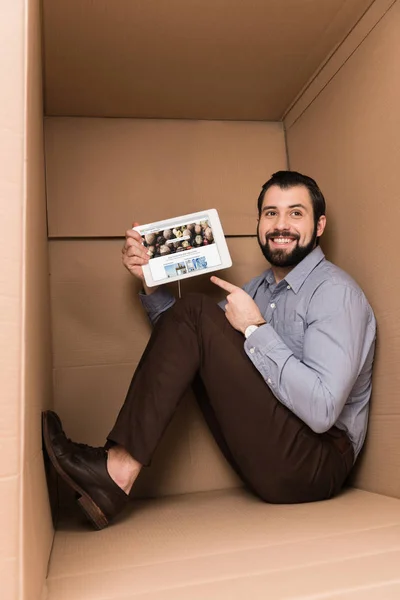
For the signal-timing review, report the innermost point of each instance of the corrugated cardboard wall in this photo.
(348, 139)
(214, 59)
(37, 388)
(11, 261)
(102, 174)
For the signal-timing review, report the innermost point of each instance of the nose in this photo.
(282, 222)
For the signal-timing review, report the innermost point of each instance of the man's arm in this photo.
(316, 387)
(157, 302)
(161, 300)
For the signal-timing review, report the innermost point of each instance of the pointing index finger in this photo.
(225, 285)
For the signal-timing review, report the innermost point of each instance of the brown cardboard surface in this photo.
(342, 53)
(217, 59)
(12, 131)
(230, 544)
(9, 576)
(104, 173)
(225, 544)
(37, 528)
(352, 149)
(380, 459)
(389, 590)
(187, 459)
(80, 393)
(10, 562)
(330, 581)
(298, 584)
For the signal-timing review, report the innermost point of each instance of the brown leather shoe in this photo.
(84, 469)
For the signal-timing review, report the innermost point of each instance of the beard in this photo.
(282, 258)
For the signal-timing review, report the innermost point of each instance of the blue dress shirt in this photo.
(316, 351)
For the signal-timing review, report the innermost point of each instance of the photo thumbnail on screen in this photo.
(177, 239)
(187, 266)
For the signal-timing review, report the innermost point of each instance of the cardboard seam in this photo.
(96, 365)
(49, 116)
(21, 584)
(324, 63)
(349, 589)
(338, 69)
(286, 147)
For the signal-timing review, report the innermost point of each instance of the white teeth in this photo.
(282, 240)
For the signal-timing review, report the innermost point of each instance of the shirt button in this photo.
(288, 287)
(252, 350)
(269, 380)
(273, 305)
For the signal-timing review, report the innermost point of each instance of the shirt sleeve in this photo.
(157, 302)
(317, 386)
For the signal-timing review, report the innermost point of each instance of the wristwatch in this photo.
(251, 329)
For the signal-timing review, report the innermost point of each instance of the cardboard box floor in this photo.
(229, 545)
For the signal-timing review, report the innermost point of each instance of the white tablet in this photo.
(183, 247)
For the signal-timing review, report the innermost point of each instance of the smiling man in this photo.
(282, 373)
(289, 224)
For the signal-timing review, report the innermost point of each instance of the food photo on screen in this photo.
(174, 240)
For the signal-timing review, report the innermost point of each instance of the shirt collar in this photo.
(299, 274)
(269, 277)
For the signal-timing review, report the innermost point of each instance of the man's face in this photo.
(286, 229)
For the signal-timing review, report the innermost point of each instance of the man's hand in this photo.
(241, 310)
(134, 255)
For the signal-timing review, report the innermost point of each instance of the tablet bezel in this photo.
(210, 214)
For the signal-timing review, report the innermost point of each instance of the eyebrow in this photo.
(291, 206)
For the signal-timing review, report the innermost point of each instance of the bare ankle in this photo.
(122, 467)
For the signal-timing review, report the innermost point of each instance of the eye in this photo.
(296, 213)
(270, 213)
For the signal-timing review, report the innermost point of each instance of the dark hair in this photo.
(289, 179)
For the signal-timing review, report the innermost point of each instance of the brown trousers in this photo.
(275, 453)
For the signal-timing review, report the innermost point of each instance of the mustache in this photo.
(284, 233)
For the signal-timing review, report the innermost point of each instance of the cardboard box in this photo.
(150, 110)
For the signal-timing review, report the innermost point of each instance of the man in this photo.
(282, 375)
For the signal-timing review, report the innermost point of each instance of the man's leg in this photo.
(278, 456)
(275, 453)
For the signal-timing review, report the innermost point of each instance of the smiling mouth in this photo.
(282, 241)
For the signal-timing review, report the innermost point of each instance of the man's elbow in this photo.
(327, 409)
(320, 426)
(322, 423)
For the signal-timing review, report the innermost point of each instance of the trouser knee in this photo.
(194, 303)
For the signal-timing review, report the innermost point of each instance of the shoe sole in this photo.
(85, 502)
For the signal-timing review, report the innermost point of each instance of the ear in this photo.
(321, 225)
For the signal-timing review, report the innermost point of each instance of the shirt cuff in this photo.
(263, 338)
(157, 302)
(269, 354)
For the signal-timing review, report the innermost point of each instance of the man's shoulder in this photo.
(329, 278)
(330, 274)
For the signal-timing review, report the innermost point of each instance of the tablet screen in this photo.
(180, 247)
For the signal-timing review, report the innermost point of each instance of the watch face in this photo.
(249, 330)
